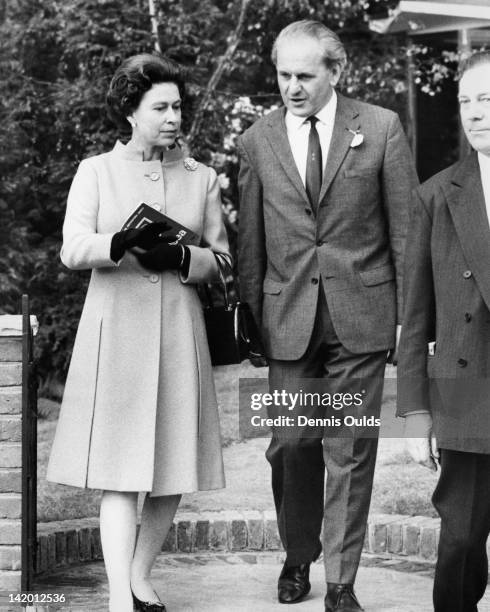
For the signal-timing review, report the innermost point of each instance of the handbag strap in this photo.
(224, 266)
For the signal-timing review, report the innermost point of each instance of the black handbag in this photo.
(232, 333)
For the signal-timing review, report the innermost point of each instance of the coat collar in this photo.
(466, 204)
(345, 120)
(130, 154)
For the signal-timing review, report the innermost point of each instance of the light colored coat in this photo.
(355, 242)
(140, 382)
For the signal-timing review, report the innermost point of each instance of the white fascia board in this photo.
(450, 9)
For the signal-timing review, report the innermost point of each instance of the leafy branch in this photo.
(233, 42)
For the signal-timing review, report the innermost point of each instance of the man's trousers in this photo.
(348, 453)
(462, 498)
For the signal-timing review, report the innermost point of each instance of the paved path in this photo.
(246, 583)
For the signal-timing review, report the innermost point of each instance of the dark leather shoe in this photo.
(341, 598)
(148, 606)
(293, 583)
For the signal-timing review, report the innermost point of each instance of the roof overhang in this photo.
(427, 16)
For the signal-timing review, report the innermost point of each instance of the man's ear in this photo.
(334, 74)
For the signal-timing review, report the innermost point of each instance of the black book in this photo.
(145, 214)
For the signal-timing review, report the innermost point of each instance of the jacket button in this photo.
(308, 211)
(153, 278)
(319, 242)
(467, 274)
(154, 176)
(314, 281)
(467, 317)
(462, 363)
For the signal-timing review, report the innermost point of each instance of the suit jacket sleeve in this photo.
(419, 317)
(203, 266)
(83, 247)
(252, 257)
(399, 178)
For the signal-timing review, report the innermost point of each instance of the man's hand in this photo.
(393, 354)
(419, 441)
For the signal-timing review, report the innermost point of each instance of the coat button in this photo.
(462, 363)
(156, 206)
(314, 281)
(154, 176)
(467, 274)
(308, 211)
(319, 242)
(467, 317)
(153, 278)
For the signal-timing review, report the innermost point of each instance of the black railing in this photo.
(29, 451)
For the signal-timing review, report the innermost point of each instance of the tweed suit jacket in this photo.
(355, 243)
(448, 302)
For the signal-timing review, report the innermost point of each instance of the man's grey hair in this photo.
(334, 54)
(473, 60)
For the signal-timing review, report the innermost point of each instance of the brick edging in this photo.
(64, 543)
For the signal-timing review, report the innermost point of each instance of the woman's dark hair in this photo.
(135, 76)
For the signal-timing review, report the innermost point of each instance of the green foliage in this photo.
(57, 59)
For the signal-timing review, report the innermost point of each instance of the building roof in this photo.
(426, 16)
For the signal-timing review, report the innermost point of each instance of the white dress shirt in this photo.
(484, 161)
(298, 130)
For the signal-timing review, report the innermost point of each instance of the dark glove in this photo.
(163, 257)
(145, 238)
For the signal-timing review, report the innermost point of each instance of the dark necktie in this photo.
(314, 166)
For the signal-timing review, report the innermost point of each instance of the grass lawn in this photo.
(400, 486)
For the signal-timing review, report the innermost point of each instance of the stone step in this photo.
(63, 543)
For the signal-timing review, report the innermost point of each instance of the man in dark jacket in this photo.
(444, 392)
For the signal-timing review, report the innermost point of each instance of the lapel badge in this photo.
(357, 140)
(190, 164)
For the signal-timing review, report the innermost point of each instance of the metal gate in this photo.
(29, 451)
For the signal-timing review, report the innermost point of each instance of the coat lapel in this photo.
(467, 206)
(276, 134)
(346, 118)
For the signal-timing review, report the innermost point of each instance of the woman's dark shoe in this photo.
(148, 606)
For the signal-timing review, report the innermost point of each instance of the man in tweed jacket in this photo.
(321, 270)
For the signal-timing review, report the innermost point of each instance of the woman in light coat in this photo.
(139, 411)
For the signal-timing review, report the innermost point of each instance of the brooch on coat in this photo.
(190, 164)
(357, 140)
